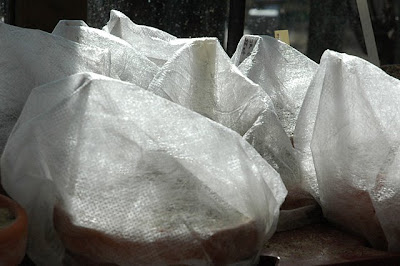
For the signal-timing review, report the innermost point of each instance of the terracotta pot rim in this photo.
(20, 223)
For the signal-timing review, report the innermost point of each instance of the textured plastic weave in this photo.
(161, 181)
(353, 109)
(29, 58)
(153, 43)
(283, 72)
(198, 74)
(127, 64)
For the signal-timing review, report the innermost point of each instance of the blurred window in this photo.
(182, 18)
(3, 8)
(316, 25)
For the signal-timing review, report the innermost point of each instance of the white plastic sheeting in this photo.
(127, 63)
(29, 58)
(353, 109)
(283, 72)
(197, 74)
(170, 159)
(166, 184)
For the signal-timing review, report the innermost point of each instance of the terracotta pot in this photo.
(13, 237)
(91, 247)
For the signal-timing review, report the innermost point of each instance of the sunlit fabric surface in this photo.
(198, 74)
(283, 72)
(351, 116)
(29, 58)
(127, 64)
(138, 168)
(153, 43)
(285, 75)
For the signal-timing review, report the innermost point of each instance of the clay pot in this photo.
(91, 247)
(13, 237)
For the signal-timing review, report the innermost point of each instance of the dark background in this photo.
(314, 25)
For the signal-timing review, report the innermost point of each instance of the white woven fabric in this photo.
(138, 168)
(153, 43)
(198, 74)
(351, 118)
(127, 64)
(283, 72)
(29, 58)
